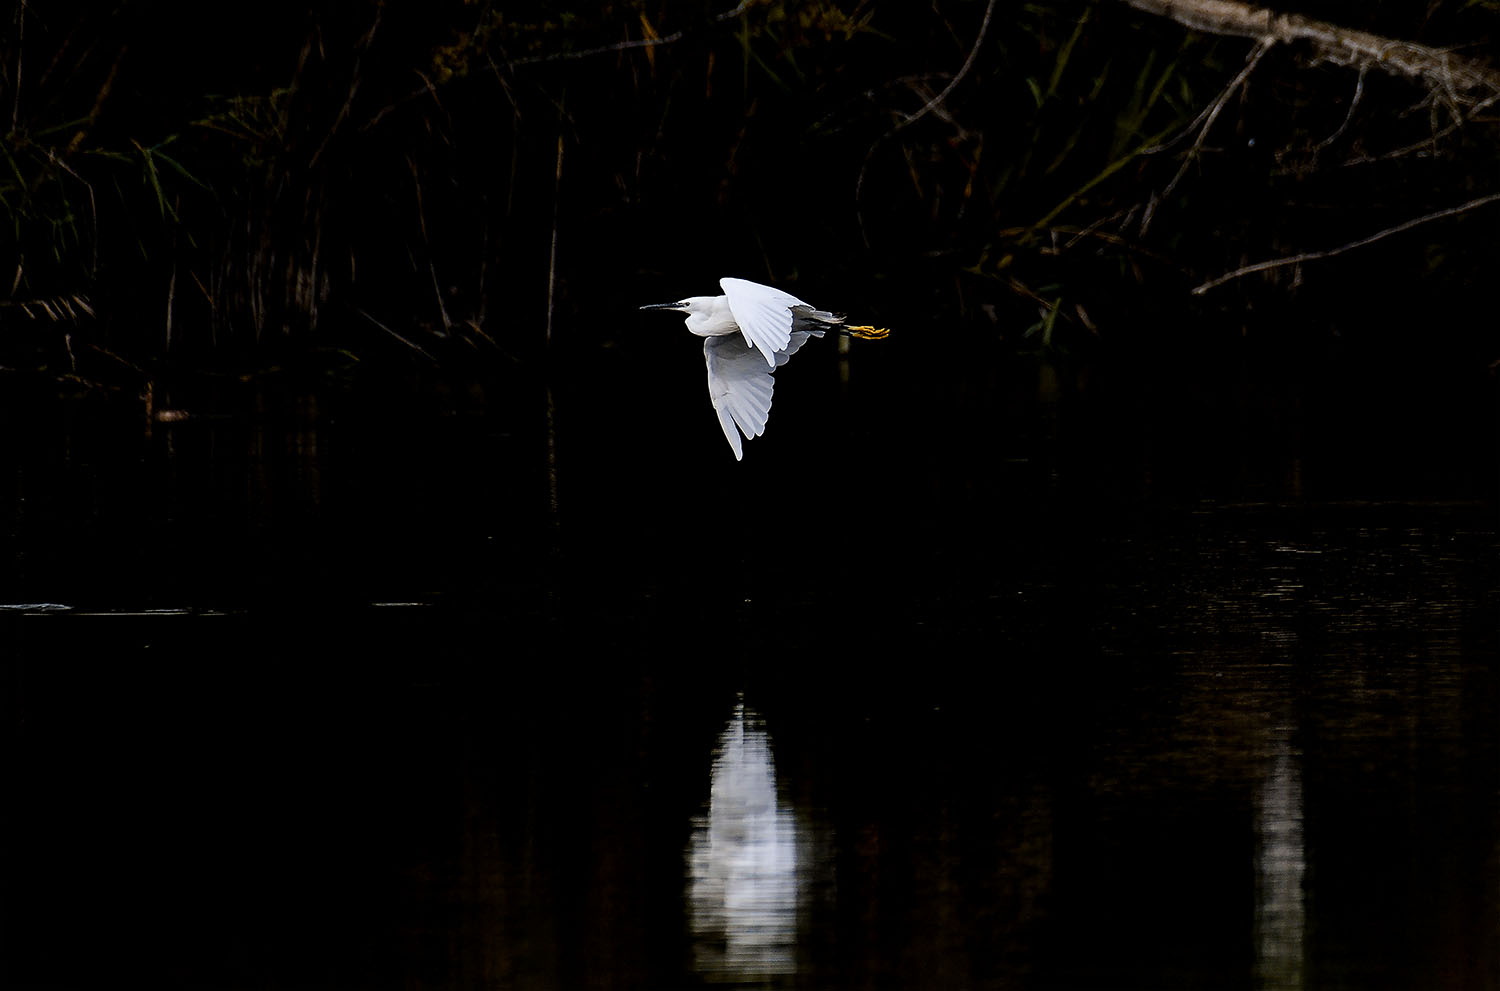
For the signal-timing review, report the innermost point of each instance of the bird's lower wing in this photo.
(739, 386)
(763, 314)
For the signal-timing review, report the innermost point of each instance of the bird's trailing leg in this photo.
(867, 333)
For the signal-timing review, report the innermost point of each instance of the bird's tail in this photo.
(804, 317)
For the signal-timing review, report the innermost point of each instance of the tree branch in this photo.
(1329, 253)
(1454, 74)
(1207, 117)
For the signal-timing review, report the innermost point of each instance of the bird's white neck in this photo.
(712, 318)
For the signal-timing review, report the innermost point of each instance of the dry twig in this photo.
(1208, 117)
(1330, 252)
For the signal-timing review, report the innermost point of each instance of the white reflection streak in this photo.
(743, 890)
(1280, 861)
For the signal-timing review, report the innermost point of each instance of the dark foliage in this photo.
(218, 182)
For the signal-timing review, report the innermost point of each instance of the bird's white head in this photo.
(707, 316)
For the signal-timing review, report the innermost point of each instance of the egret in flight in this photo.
(751, 331)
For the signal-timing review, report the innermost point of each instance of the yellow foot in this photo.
(869, 333)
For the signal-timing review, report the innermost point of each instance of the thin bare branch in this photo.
(1208, 118)
(415, 347)
(1426, 143)
(932, 104)
(937, 101)
(1330, 252)
(1359, 92)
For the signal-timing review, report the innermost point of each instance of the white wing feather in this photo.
(740, 386)
(764, 315)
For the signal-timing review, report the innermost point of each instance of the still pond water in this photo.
(995, 677)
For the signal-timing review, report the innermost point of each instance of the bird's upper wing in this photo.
(764, 315)
(740, 386)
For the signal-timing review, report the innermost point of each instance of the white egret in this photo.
(751, 331)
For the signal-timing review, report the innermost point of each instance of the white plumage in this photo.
(751, 331)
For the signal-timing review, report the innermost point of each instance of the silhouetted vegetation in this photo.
(454, 179)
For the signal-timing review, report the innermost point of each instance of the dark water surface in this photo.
(1012, 677)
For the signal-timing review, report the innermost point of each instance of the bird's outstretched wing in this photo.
(764, 315)
(740, 384)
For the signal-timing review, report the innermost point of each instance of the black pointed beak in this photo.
(662, 306)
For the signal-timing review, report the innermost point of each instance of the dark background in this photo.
(356, 634)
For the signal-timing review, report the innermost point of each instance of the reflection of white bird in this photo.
(744, 864)
(752, 330)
